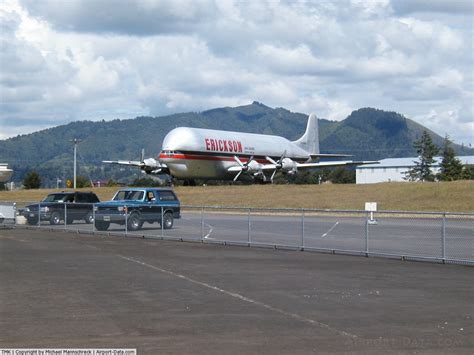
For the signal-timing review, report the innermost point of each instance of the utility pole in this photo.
(75, 140)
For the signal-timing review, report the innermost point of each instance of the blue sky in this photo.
(62, 61)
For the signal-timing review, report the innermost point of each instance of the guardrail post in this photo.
(302, 229)
(366, 233)
(39, 214)
(202, 223)
(443, 238)
(249, 240)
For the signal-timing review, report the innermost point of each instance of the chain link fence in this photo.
(434, 236)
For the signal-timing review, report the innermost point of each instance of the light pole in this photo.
(75, 140)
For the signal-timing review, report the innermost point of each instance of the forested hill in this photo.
(367, 134)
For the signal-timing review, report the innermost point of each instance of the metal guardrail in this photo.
(432, 236)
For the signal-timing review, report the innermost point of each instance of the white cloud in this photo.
(94, 60)
(443, 6)
(447, 122)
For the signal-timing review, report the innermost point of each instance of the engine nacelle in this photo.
(289, 166)
(254, 168)
(151, 165)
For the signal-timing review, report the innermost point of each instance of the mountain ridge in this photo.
(367, 133)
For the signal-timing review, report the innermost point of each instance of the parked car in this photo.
(134, 206)
(60, 206)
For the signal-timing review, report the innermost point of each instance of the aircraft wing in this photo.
(284, 165)
(124, 162)
(322, 155)
(329, 164)
(149, 165)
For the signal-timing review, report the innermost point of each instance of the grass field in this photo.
(455, 196)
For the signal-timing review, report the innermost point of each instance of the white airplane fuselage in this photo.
(208, 154)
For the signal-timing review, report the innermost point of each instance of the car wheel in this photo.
(101, 225)
(167, 222)
(134, 222)
(89, 218)
(32, 221)
(55, 218)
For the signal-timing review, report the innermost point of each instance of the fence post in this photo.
(125, 209)
(302, 229)
(65, 215)
(93, 218)
(443, 238)
(249, 240)
(162, 227)
(202, 223)
(366, 233)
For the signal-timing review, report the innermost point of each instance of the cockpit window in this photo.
(128, 195)
(168, 152)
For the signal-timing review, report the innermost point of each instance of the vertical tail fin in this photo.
(310, 139)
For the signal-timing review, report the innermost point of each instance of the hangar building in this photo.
(394, 169)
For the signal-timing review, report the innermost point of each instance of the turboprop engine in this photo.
(251, 167)
(289, 166)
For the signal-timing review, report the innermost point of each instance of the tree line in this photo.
(450, 167)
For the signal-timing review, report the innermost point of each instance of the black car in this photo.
(60, 206)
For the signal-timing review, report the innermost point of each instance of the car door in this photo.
(151, 210)
(81, 205)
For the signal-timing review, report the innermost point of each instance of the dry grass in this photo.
(446, 196)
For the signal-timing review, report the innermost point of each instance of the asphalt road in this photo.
(63, 290)
(407, 235)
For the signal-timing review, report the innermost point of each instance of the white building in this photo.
(394, 169)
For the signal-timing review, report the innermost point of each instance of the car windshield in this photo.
(128, 195)
(55, 198)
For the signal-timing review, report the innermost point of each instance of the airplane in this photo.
(196, 153)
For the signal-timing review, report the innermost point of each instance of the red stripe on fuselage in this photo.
(183, 156)
(207, 157)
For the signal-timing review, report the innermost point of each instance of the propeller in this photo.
(278, 164)
(244, 167)
(286, 165)
(148, 165)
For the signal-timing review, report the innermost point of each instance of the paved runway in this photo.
(392, 235)
(78, 290)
